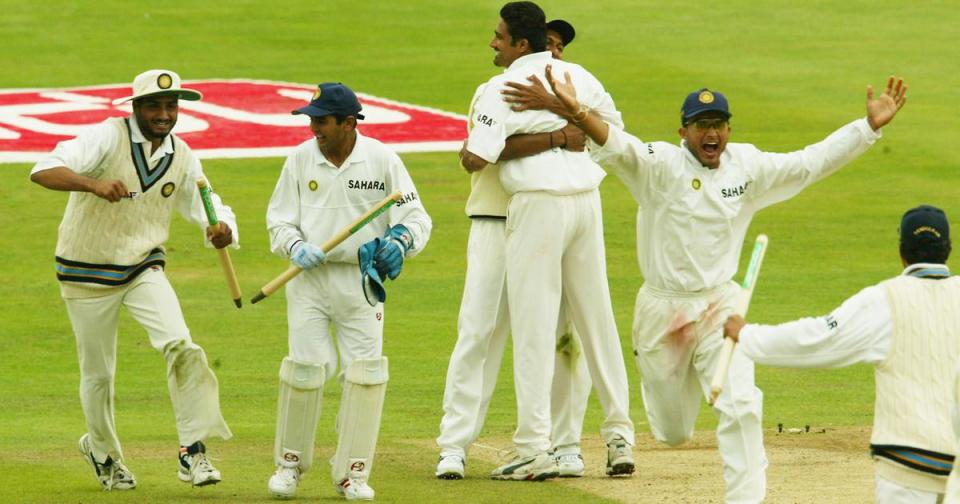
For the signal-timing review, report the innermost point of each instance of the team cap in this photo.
(703, 100)
(564, 29)
(924, 225)
(159, 82)
(332, 98)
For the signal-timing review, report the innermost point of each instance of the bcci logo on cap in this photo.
(316, 94)
(706, 97)
(164, 81)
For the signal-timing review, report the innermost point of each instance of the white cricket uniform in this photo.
(690, 230)
(554, 243)
(314, 199)
(888, 325)
(111, 255)
(484, 322)
(952, 495)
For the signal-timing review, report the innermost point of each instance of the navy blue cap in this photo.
(923, 225)
(703, 100)
(332, 98)
(564, 29)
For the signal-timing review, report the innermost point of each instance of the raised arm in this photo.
(882, 110)
(591, 124)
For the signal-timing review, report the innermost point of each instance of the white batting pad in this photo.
(298, 412)
(364, 387)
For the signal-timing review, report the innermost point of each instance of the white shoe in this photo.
(355, 488)
(283, 483)
(619, 457)
(450, 467)
(112, 474)
(195, 468)
(534, 468)
(570, 465)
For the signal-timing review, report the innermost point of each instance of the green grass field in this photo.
(793, 72)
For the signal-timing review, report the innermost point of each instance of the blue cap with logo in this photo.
(924, 224)
(703, 100)
(332, 98)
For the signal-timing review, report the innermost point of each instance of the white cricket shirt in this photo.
(692, 220)
(314, 199)
(86, 153)
(557, 171)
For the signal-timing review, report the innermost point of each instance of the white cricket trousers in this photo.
(677, 368)
(193, 387)
(556, 242)
(482, 329)
(890, 492)
(331, 295)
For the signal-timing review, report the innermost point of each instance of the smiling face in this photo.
(156, 116)
(331, 137)
(706, 136)
(506, 50)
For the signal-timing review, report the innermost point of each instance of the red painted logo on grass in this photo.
(236, 118)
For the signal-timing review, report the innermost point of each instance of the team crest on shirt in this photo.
(695, 184)
(313, 185)
(164, 81)
(167, 189)
(706, 97)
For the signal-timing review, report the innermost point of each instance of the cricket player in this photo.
(484, 319)
(909, 328)
(125, 177)
(697, 200)
(326, 183)
(554, 241)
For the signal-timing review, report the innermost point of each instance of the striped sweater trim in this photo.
(106, 274)
(915, 458)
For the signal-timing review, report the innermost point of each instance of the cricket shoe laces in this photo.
(570, 465)
(619, 457)
(195, 468)
(111, 474)
(532, 468)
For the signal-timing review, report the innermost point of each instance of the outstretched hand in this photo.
(564, 91)
(880, 111)
(527, 97)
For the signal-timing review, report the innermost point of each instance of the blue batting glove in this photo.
(307, 255)
(396, 242)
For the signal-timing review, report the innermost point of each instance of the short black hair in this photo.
(526, 20)
(925, 251)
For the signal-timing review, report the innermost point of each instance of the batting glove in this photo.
(395, 244)
(307, 255)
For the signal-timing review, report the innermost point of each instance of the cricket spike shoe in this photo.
(111, 474)
(450, 467)
(570, 465)
(195, 468)
(619, 457)
(534, 468)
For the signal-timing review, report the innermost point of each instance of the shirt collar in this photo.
(529, 59)
(357, 155)
(136, 136)
(927, 270)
